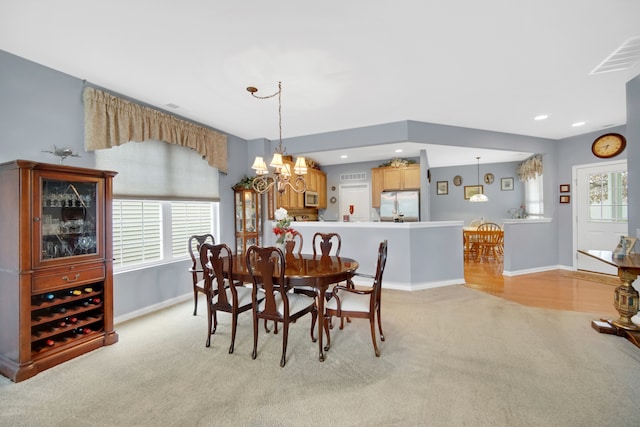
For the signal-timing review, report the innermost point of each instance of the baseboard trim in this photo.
(532, 270)
(151, 308)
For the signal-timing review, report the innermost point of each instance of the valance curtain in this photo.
(111, 121)
(530, 168)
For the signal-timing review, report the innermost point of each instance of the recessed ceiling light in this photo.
(172, 105)
(399, 150)
(576, 124)
(344, 156)
(541, 117)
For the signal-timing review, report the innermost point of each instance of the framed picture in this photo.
(442, 187)
(457, 180)
(565, 199)
(565, 188)
(506, 184)
(625, 248)
(471, 190)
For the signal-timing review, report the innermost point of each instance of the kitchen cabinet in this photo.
(315, 180)
(56, 265)
(393, 179)
(248, 222)
(322, 190)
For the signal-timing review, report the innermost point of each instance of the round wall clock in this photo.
(608, 145)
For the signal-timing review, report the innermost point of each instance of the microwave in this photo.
(311, 199)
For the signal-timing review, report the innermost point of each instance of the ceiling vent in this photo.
(623, 58)
(357, 176)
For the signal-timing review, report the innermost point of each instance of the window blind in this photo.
(188, 219)
(137, 232)
(158, 170)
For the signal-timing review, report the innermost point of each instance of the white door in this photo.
(355, 201)
(601, 211)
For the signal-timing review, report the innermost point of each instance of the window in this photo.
(608, 196)
(187, 219)
(149, 232)
(533, 196)
(137, 236)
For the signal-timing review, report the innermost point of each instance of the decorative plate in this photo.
(488, 178)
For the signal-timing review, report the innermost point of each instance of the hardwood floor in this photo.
(552, 289)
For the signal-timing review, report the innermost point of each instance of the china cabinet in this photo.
(248, 221)
(56, 266)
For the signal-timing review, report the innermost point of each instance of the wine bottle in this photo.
(48, 297)
(58, 309)
(71, 320)
(75, 292)
(62, 323)
(94, 300)
(88, 290)
(50, 342)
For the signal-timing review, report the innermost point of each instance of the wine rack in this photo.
(56, 293)
(62, 317)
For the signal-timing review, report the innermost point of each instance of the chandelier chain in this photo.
(280, 149)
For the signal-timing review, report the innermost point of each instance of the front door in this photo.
(601, 211)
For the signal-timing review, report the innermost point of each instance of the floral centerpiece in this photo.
(282, 229)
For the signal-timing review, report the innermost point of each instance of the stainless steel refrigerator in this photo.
(400, 206)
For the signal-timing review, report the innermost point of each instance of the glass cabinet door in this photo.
(68, 219)
(247, 218)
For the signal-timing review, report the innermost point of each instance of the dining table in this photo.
(316, 271)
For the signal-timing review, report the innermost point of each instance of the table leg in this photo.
(625, 300)
(321, 293)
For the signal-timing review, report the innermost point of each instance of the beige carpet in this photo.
(453, 357)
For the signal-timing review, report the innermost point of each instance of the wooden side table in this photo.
(625, 298)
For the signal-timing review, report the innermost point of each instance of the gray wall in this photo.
(633, 153)
(40, 108)
(453, 206)
(571, 152)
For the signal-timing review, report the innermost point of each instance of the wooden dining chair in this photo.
(196, 269)
(266, 266)
(489, 238)
(294, 245)
(223, 293)
(326, 244)
(359, 302)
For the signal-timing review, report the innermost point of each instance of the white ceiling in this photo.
(492, 65)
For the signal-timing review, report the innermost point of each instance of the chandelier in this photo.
(281, 178)
(480, 197)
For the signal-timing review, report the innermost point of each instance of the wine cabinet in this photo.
(56, 265)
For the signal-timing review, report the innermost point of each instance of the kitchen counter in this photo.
(421, 254)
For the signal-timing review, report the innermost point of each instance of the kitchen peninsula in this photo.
(429, 254)
(421, 254)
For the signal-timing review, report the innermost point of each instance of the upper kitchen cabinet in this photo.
(393, 179)
(315, 180)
